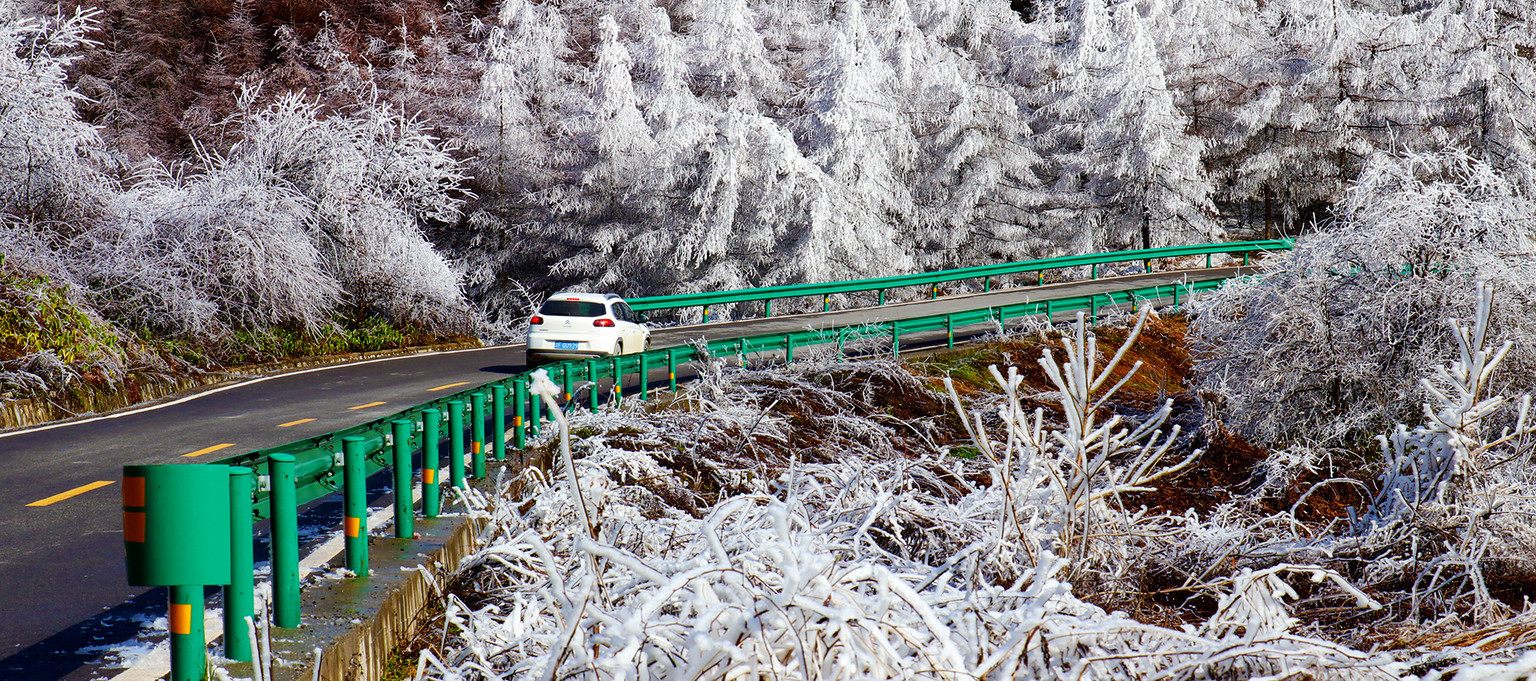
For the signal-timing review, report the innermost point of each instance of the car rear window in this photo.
(573, 308)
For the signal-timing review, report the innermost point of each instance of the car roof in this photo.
(585, 297)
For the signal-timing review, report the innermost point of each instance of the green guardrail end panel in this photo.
(176, 524)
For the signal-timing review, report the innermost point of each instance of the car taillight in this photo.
(536, 320)
(603, 322)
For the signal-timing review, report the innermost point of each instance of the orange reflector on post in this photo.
(429, 475)
(181, 618)
(474, 447)
(133, 525)
(517, 421)
(133, 492)
(353, 526)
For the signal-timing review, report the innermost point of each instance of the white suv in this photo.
(580, 325)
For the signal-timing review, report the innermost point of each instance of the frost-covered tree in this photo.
(853, 129)
(306, 216)
(48, 156)
(1140, 163)
(1330, 343)
(731, 61)
(522, 88)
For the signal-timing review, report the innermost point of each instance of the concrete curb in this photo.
(143, 389)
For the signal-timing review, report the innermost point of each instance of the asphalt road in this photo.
(61, 555)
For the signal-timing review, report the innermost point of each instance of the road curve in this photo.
(62, 558)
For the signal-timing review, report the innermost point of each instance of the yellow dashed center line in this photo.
(293, 423)
(365, 406)
(445, 387)
(72, 493)
(207, 450)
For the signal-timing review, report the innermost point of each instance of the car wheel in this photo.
(532, 359)
(618, 348)
(647, 344)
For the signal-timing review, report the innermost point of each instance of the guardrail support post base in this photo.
(519, 405)
(189, 654)
(477, 430)
(499, 422)
(239, 595)
(355, 504)
(456, 443)
(284, 541)
(431, 500)
(405, 506)
(645, 379)
(671, 370)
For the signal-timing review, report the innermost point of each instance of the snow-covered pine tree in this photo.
(1491, 78)
(730, 61)
(521, 86)
(1143, 170)
(976, 195)
(854, 130)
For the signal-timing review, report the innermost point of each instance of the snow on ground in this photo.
(832, 520)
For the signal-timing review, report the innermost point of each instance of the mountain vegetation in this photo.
(190, 175)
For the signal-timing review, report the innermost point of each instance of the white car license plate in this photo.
(567, 345)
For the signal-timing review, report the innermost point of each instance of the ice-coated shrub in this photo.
(204, 256)
(1330, 342)
(309, 215)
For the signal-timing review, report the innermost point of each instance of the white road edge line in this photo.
(241, 384)
(156, 663)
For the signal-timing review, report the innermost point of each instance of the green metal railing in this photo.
(300, 472)
(985, 273)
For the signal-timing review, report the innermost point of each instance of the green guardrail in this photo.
(932, 279)
(474, 424)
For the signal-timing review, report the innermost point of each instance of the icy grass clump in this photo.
(712, 539)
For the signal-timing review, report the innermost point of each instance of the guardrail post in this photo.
(283, 543)
(1147, 264)
(189, 654)
(895, 339)
(1095, 270)
(1049, 318)
(671, 370)
(1093, 309)
(789, 347)
(456, 443)
(431, 501)
(768, 308)
(882, 296)
(1040, 277)
(565, 380)
(535, 417)
(1175, 296)
(592, 378)
(706, 314)
(519, 404)
(239, 596)
(645, 379)
(1207, 261)
(826, 303)
(934, 292)
(986, 283)
(618, 382)
(405, 504)
(354, 503)
(499, 421)
(1245, 257)
(949, 327)
(477, 430)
